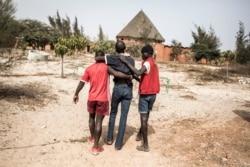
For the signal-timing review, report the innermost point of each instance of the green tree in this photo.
(7, 23)
(107, 46)
(8, 33)
(100, 35)
(242, 45)
(61, 25)
(68, 45)
(227, 56)
(76, 29)
(135, 50)
(176, 49)
(35, 33)
(206, 44)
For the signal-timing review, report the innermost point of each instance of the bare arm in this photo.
(118, 74)
(132, 68)
(78, 89)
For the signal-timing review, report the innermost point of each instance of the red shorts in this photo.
(98, 107)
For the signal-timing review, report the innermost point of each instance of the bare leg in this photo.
(144, 132)
(139, 135)
(98, 129)
(92, 124)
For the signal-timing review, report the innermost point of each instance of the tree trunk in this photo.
(62, 75)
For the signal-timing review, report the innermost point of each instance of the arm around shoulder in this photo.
(118, 74)
(132, 68)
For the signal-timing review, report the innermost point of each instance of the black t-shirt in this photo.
(114, 61)
(117, 64)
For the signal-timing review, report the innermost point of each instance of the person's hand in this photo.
(75, 99)
(122, 58)
(136, 78)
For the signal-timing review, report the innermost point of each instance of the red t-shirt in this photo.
(98, 77)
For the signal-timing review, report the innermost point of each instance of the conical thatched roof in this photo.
(139, 25)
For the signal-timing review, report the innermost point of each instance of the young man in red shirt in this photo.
(148, 88)
(97, 75)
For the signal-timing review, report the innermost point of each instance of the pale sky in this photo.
(174, 19)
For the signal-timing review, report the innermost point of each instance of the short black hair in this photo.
(147, 49)
(120, 46)
(99, 53)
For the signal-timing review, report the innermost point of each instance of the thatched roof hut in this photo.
(137, 28)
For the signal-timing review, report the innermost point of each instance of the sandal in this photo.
(108, 142)
(142, 148)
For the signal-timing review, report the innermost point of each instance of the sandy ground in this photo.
(194, 123)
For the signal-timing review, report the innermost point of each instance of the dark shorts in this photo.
(146, 103)
(98, 107)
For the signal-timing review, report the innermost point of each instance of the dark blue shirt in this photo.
(114, 61)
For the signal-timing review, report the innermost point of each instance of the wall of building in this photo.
(162, 52)
(159, 53)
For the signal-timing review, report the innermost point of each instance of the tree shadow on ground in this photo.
(243, 114)
(33, 94)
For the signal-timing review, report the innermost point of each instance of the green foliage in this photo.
(106, 46)
(35, 33)
(205, 44)
(227, 56)
(134, 50)
(76, 29)
(7, 23)
(207, 54)
(61, 47)
(8, 33)
(176, 48)
(68, 45)
(63, 26)
(242, 45)
(100, 35)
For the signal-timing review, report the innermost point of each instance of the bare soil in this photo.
(200, 119)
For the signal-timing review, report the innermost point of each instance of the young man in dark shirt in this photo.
(122, 93)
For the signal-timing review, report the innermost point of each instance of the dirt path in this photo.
(193, 124)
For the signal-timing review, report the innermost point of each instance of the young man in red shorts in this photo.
(97, 75)
(148, 88)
